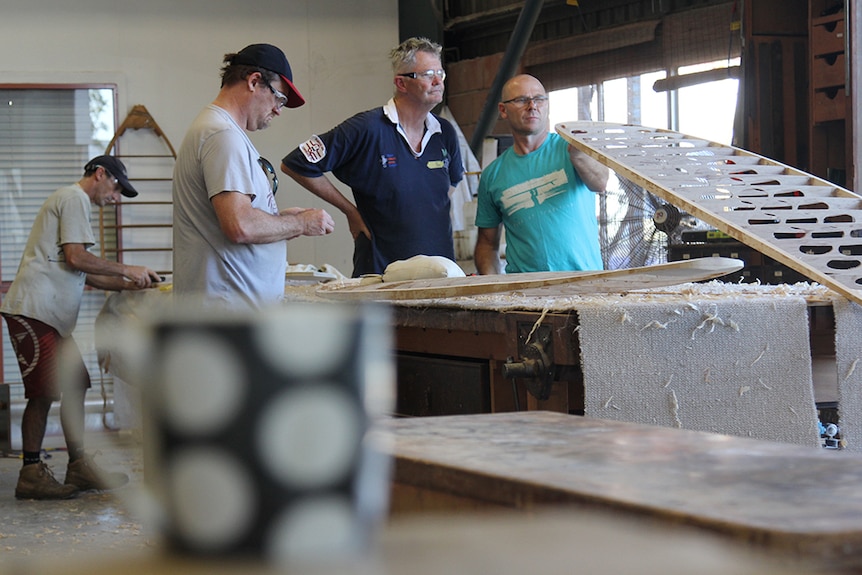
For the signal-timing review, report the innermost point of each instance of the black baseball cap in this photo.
(117, 169)
(270, 58)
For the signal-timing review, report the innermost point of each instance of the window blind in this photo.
(47, 134)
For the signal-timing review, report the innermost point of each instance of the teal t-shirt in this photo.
(548, 212)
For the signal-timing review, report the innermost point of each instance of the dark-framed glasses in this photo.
(426, 75)
(270, 173)
(524, 101)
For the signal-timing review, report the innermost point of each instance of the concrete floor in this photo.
(93, 523)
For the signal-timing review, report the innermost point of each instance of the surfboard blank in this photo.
(540, 283)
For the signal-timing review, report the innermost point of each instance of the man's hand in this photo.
(314, 221)
(357, 225)
(141, 276)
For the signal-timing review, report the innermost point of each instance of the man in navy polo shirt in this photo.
(400, 161)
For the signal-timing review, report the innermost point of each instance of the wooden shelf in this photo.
(830, 147)
(825, 20)
(827, 36)
(828, 72)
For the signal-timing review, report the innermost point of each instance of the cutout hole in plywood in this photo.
(788, 235)
(764, 222)
(815, 250)
(843, 264)
(827, 235)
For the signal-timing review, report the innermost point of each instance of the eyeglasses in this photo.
(270, 173)
(280, 99)
(426, 75)
(524, 101)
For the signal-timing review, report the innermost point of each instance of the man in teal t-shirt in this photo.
(540, 190)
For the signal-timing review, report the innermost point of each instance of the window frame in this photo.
(89, 308)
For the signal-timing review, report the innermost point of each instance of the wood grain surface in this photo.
(791, 500)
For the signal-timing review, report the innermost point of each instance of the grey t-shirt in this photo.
(45, 288)
(217, 156)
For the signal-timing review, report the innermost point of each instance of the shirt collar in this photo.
(432, 125)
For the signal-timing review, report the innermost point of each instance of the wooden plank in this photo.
(791, 500)
(800, 220)
(580, 45)
(536, 283)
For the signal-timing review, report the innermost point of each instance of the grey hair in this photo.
(404, 55)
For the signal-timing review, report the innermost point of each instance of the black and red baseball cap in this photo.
(270, 58)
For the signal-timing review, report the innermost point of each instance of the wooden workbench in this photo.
(790, 500)
(451, 352)
(450, 360)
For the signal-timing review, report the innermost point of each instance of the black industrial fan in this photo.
(635, 225)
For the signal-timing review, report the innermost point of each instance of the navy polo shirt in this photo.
(403, 199)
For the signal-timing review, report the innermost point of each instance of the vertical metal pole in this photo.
(673, 106)
(633, 101)
(853, 127)
(517, 44)
(600, 102)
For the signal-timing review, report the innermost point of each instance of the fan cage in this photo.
(628, 235)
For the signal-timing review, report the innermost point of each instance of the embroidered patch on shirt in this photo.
(313, 149)
(388, 161)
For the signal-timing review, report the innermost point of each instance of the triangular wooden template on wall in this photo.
(111, 218)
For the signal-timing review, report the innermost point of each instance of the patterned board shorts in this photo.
(37, 347)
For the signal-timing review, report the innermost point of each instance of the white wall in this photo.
(166, 55)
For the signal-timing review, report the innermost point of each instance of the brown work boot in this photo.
(36, 481)
(86, 475)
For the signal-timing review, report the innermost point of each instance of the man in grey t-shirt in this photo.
(229, 235)
(41, 310)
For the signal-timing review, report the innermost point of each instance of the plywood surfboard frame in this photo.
(806, 223)
(539, 283)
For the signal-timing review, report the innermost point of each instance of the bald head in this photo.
(524, 105)
(521, 85)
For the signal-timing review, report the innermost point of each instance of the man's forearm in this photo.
(487, 260)
(593, 173)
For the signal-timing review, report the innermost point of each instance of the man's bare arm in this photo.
(244, 224)
(80, 259)
(487, 252)
(593, 173)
